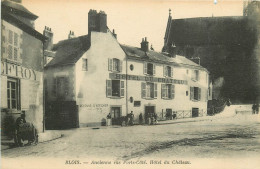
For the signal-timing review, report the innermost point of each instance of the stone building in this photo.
(21, 67)
(93, 75)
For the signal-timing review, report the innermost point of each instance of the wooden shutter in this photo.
(172, 91)
(145, 68)
(191, 93)
(164, 70)
(154, 69)
(66, 85)
(171, 71)
(155, 90)
(143, 89)
(120, 65)
(122, 89)
(109, 88)
(163, 90)
(18, 94)
(110, 63)
(199, 93)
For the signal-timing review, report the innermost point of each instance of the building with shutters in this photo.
(21, 67)
(93, 75)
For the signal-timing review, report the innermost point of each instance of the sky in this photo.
(131, 19)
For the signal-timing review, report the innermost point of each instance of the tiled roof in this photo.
(153, 56)
(69, 51)
(19, 7)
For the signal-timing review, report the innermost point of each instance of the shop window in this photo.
(84, 64)
(149, 90)
(195, 75)
(149, 69)
(168, 71)
(13, 93)
(115, 65)
(13, 46)
(115, 88)
(195, 93)
(168, 91)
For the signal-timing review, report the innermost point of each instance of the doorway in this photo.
(115, 115)
(149, 112)
(195, 112)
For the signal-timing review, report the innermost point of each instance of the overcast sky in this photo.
(131, 19)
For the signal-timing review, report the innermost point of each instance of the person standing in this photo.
(141, 118)
(253, 108)
(108, 119)
(131, 118)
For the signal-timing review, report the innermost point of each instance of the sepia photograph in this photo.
(130, 84)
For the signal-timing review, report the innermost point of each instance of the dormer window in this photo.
(114, 65)
(149, 69)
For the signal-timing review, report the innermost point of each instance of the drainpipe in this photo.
(126, 98)
(43, 87)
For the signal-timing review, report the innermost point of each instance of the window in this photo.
(195, 93)
(13, 49)
(61, 87)
(115, 88)
(13, 93)
(195, 75)
(149, 69)
(149, 90)
(115, 65)
(168, 91)
(84, 64)
(137, 103)
(168, 71)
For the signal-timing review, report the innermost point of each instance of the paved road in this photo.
(228, 137)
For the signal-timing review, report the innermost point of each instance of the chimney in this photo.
(145, 45)
(114, 34)
(49, 34)
(196, 60)
(97, 21)
(172, 51)
(71, 35)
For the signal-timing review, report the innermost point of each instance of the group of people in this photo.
(150, 118)
(255, 108)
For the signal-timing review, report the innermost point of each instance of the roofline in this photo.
(214, 17)
(12, 20)
(168, 63)
(26, 13)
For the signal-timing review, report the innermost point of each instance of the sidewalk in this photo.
(48, 135)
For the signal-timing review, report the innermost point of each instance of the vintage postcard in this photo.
(130, 84)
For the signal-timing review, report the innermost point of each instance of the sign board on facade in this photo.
(115, 76)
(18, 71)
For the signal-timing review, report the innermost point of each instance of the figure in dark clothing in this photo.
(141, 118)
(18, 122)
(257, 108)
(254, 109)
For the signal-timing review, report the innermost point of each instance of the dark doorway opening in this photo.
(195, 112)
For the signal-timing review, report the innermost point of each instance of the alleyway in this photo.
(227, 137)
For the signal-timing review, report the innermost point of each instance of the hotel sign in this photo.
(115, 76)
(10, 69)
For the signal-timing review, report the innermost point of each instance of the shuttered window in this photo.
(149, 69)
(13, 46)
(115, 88)
(115, 65)
(148, 90)
(168, 91)
(195, 93)
(168, 71)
